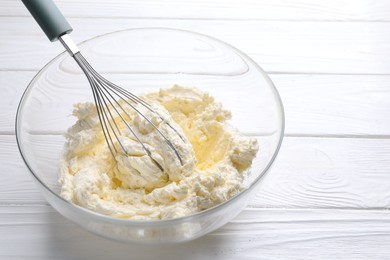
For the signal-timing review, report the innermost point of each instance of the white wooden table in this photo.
(329, 192)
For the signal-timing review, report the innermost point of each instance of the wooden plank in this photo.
(309, 172)
(278, 46)
(16, 182)
(12, 85)
(347, 105)
(292, 10)
(254, 234)
(328, 105)
(328, 173)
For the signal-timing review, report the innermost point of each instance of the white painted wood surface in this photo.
(329, 193)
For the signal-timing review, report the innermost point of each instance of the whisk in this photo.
(105, 93)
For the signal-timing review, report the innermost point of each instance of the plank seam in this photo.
(268, 72)
(346, 20)
(294, 135)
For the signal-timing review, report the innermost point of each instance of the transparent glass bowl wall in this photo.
(143, 60)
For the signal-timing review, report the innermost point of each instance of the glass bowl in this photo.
(143, 60)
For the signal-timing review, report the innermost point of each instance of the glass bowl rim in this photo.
(129, 222)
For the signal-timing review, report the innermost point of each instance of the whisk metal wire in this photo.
(106, 95)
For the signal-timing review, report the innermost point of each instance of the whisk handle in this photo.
(49, 18)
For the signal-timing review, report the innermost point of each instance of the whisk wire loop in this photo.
(109, 108)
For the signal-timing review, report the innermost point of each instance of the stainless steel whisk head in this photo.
(106, 96)
(105, 93)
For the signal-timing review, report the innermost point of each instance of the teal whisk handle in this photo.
(49, 18)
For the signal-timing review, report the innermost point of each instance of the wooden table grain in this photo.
(328, 194)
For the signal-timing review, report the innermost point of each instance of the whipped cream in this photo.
(214, 156)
